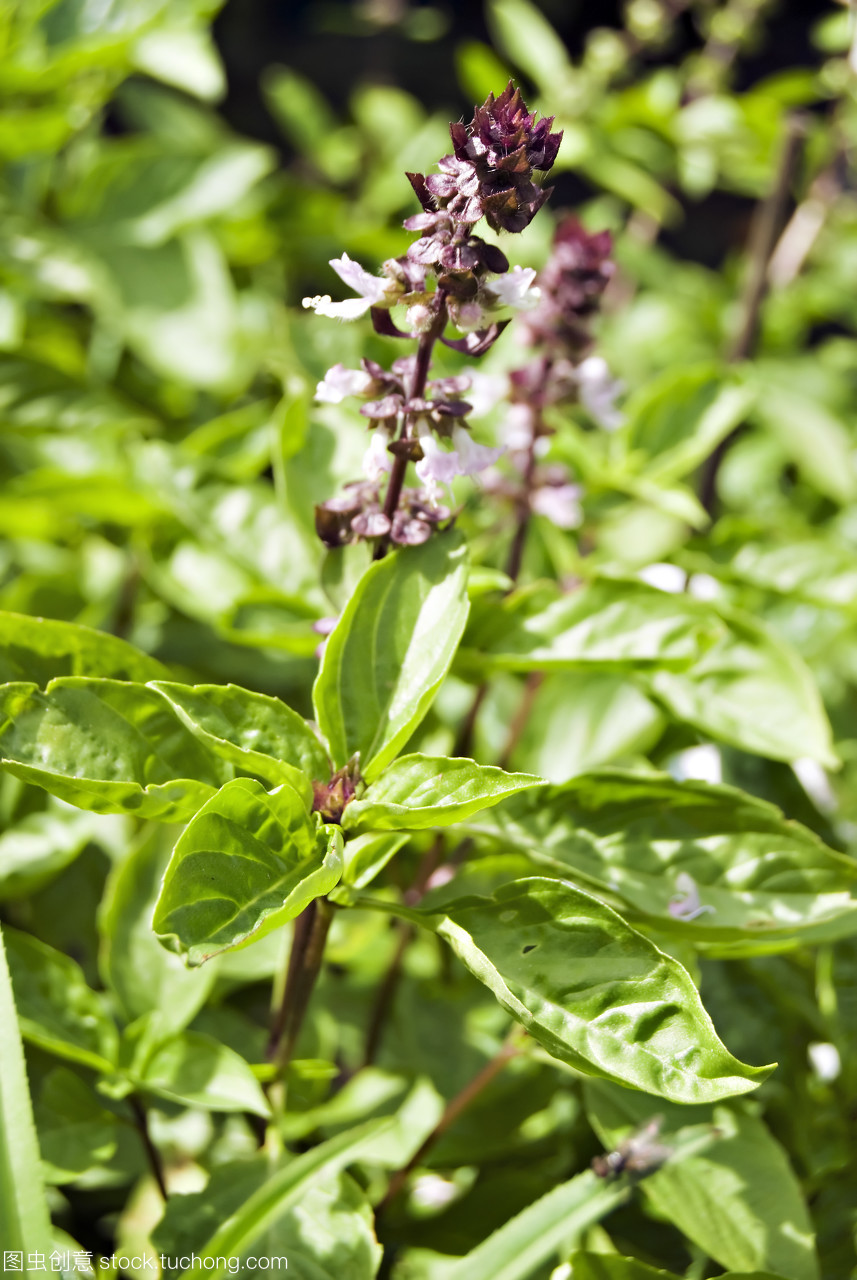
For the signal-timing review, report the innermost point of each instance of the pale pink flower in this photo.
(340, 382)
(598, 391)
(373, 290)
(376, 459)
(514, 290)
(559, 503)
(473, 457)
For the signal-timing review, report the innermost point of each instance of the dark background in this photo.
(339, 44)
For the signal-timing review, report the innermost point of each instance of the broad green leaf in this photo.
(595, 993)
(648, 841)
(258, 734)
(57, 1011)
(390, 650)
(327, 1236)
(38, 847)
(431, 791)
(678, 418)
(249, 861)
(525, 36)
(25, 1223)
(40, 649)
(516, 1250)
(194, 1069)
(283, 1189)
(601, 623)
(817, 441)
(106, 745)
(581, 720)
(752, 690)
(76, 1132)
(609, 1266)
(144, 976)
(821, 570)
(368, 854)
(740, 1201)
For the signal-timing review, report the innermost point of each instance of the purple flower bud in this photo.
(371, 524)
(571, 284)
(382, 410)
(408, 531)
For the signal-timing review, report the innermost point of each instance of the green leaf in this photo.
(752, 690)
(609, 1266)
(595, 993)
(57, 1011)
(106, 745)
(283, 1190)
(581, 720)
(532, 1237)
(75, 1132)
(249, 861)
(525, 36)
(390, 650)
(197, 1071)
(817, 441)
(739, 1201)
(257, 734)
(681, 416)
(38, 847)
(24, 1218)
(431, 791)
(144, 976)
(366, 855)
(327, 1236)
(39, 649)
(647, 840)
(600, 623)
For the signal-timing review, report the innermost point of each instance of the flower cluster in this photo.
(557, 328)
(449, 274)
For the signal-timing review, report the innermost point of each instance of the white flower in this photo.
(515, 289)
(485, 392)
(473, 457)
(340, 382)
(664, 577)
(376, 459)
(560, 503)
(518, 427)
(373, 290)
(437, 466)
(323, 305)
(824, 1060)
(467, 316)
(598, 392)
(702, 763)
(685, 904)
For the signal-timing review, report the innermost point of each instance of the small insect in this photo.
(638, 1154)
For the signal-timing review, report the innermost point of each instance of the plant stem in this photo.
(311, 929)
(763, 239)
(300, 937)
(386, 992)
(416, 390)
(141, 1123)
(454, 1108)
(532, 685)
